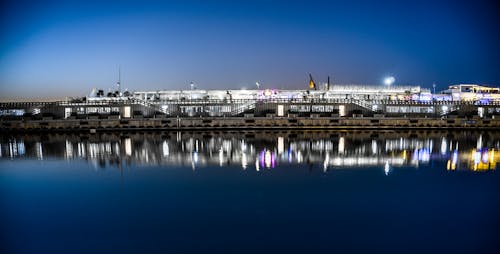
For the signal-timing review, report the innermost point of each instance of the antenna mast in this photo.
(119, 79)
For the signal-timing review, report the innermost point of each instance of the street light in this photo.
(444, 109)
(389, 80)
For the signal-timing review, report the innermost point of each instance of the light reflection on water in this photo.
(465, 150)
(294, 192)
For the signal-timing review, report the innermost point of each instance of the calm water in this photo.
(250, 192)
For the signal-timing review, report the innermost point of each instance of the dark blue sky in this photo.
(58, 48)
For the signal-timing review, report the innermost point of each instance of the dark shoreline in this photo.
(245, 123)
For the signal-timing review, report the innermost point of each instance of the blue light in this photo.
(485, 101)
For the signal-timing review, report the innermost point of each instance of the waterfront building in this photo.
(473, 93)
(332, 101)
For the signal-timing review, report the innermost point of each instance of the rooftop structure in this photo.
(334, 92)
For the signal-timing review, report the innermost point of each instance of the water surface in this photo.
(248, 192)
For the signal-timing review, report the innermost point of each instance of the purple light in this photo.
(262, 157)
(484, 156)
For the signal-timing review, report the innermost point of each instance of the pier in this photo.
(340, 107)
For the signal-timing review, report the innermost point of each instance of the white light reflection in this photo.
(480, 142)
(11, 150)
(69, 150)
(443, 146)
(107, 147)
(165, 149)
(326, 162)
(244, 162)
(268, 159)
(484, 156)
(341, 145)
(299, 156)
(39, 150)
(374, 146)
(117, 149)
(387, 168)
(128, 146)
(477, 157)
(16, 148)
(243, 146)
(194, 160)
(221, 157)
(257, 164)
(281, 145)
(454, 159)
(20, 148)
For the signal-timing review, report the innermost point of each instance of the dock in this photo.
(244, 123)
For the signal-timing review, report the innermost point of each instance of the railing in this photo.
(242, 108)
(150, 103)
(364, 104)
(237, 106)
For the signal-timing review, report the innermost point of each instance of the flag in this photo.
(312, 85)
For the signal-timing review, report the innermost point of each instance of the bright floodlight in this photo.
(389, 80)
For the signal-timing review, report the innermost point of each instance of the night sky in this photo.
(65, 48)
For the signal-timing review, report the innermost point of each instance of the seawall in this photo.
(244, 123)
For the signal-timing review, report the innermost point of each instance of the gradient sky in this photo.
(65, 48)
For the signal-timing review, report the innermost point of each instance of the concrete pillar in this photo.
(126, 113)
(342, 110)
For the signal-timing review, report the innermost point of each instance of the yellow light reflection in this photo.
(483, 159)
